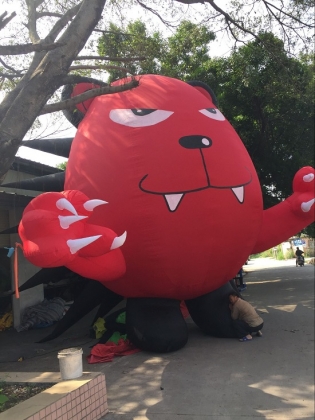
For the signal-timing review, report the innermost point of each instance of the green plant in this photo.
(290, 254)
(309, 252)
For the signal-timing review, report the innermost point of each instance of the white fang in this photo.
(239, 193)
(91, 204)
(66, 221)
(118, 241)
(76, 244)
(64, 204)
(173, 200)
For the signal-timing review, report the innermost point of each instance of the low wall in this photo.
(76, 399)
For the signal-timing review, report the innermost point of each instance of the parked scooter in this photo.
(300, 261)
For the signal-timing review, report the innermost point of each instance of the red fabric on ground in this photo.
(184, 309)
(102, 353)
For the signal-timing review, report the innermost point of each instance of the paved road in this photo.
(269, 378)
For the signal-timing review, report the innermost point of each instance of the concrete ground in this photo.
(271, 377)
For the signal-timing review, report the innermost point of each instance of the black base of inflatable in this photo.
(155, 324)
(211, 312)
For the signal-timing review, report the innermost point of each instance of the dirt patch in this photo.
(13, 394)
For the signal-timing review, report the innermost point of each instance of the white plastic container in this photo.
(70, 363)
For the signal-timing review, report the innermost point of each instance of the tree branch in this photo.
(95, 57)
(10, 76)
(71, 103)
(9, 67)
(5, 20)
(229, 18)
(286, 14)
(156, 13)
(99, 67)
(76, 78)
(61, 23)
(38, 3)
(27, 48)
(50, 14)
(31, 24)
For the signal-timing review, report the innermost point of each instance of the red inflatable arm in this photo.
(290, 216)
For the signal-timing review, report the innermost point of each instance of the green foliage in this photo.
(183, 55)
(3, 399)
(62, 165)
(289, 254)
(265, 254)
(268, 97)
(127, 43)
(310, 230)
(280, 255)
(187, 52)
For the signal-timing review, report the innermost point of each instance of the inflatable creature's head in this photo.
(176, 177)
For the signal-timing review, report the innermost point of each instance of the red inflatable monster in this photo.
(179, 181)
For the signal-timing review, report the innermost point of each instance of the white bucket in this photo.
(70, 363)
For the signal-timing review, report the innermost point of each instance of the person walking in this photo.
(245, 318)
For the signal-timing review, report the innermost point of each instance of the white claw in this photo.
(308, 177)
(119, 241)
(66, 221)
(76, 244)
(91, 204)
(64, 204)
(306, 206)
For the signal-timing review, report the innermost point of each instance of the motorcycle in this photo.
(300, 261)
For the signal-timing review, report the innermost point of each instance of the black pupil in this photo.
(212, 110)
(142, 112)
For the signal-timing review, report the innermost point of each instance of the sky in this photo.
(51, 129)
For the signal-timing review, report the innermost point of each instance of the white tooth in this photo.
(239, 193)
(91, 204)
(306, 206)
(64, 204)
(66, 221)
(119, 241)
(173, 200)
(76, 244)
(308, 177)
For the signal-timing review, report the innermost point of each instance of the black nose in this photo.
(195, 142)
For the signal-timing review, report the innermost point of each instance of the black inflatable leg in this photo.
(155, 324)
(235, 289)
(211, 312)
(91, 296)
(46, 275)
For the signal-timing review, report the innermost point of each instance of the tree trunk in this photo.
(33, 91)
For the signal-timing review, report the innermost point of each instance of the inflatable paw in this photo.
(55, 231)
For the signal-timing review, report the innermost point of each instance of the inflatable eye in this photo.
(139, 117)
(213, 113)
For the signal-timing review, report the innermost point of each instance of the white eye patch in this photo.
(139, 117)
(213, 113)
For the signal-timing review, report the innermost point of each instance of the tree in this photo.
(187, 54)
(132, 41)
(270, 103)
(47, 71)
(243, 20)
(182, 55)
(58, 31)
